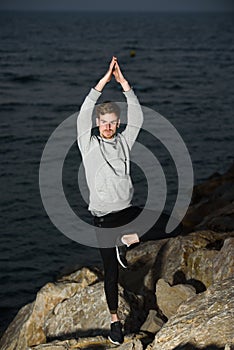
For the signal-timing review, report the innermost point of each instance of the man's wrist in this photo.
(100, 85)
(125, 85)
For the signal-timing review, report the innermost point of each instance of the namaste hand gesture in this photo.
(118, 74)
(116, 71)
(107, 77)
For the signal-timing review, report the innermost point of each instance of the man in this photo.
(106, 159)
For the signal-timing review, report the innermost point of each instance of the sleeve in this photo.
(134, 118)
(84, 120)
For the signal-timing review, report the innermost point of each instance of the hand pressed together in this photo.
(114, 69)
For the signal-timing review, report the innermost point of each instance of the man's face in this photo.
(108, 124)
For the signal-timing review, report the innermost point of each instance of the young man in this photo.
(106, 160)
(107, 167)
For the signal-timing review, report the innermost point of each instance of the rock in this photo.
(13, 338)
(26, 329)
(201, 321)
(209, 266)
(72, 344)
(130, 342)
(212, 204)
(176, 253)
(200, 266)
(169, 298)
(86, 314)
(55, 345)
(72, 307)
(223, 262)
(186, 259)
(85, 276)
(174, 259)
(189, 259)
(133, 345)
(153, 323)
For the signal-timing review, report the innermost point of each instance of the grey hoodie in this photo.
(107, 161)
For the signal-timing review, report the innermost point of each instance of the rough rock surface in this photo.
(170, 298)
(198, 259)
(208, 266)
(153, 323)
(191, 259)
(130, 343)
(223, 263)
(204, 320)
(27, 327)
(68, 308)
(85, 314)
(84, 276)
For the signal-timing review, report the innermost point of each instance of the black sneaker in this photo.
(116, 334)
(121, 251)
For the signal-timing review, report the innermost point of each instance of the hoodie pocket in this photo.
(114, 189)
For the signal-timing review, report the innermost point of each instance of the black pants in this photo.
(109, 258)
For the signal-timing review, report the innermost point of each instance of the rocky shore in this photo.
(177, 294)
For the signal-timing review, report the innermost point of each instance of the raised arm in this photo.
(84, 120)
(134, 113)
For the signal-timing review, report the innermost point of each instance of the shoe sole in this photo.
(118, 258)
(114, 342)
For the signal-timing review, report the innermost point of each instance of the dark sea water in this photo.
(183, 69)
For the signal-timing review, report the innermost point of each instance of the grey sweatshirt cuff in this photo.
(94, 94)
(130, 93)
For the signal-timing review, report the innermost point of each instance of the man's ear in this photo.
(118, 124)
(97, 121)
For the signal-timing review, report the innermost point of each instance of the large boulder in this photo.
(223, 263)
(86, 313)
(192, 258)
(206, 319)
(169, 298)
(208, 266)
(26, 329)
(177, 251)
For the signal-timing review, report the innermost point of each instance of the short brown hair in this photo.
(107, 107)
